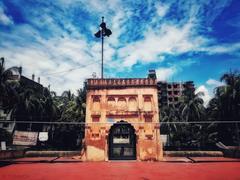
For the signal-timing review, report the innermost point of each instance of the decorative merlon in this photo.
(120, 83)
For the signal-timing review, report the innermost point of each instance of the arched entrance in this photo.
(122, 142)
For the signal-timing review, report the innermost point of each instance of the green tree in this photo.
(168, 116)
(183, 134)
(72, 109)
(192, 107)
(28, 108)
(8, 86)
(225, 106)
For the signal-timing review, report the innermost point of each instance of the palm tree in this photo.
(169, 115)
(53, 94)
(192, 107)
(81, 103)
(72, 108)
(28, 107)
(231, 94)
(50, 109)
(226, 106)
(8, 85)
(67, 95)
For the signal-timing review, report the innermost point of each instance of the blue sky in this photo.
(183, 40)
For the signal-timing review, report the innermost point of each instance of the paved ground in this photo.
(38, 169)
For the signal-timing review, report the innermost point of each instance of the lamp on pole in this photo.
(104, 31)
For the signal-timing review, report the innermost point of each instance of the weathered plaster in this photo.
(132, 100)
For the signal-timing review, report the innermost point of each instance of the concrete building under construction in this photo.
(170, 93)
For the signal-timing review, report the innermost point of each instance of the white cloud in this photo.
(66, 47)
(62, 62)
(222, 48)
(207, 96)
(208, 88)
(4, 19)
(175, 38)
(215, 83)
(164, 74)
(102, 6)
(201, 11)
(161, 9)
(170, 39)
(72, 80)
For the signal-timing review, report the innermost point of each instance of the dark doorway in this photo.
(122, 142)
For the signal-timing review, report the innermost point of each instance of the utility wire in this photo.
(72, 69)
(84, 123)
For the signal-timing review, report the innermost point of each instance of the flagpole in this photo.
(102, 47)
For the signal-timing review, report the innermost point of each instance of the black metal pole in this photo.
(102, 47)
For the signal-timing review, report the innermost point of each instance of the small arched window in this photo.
(147, 103)
(132, 104)
(111, 103)
(122, 104)
(96, 103)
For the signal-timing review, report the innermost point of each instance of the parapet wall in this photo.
(120, 83)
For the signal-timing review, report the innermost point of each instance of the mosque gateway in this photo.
(122, 121)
